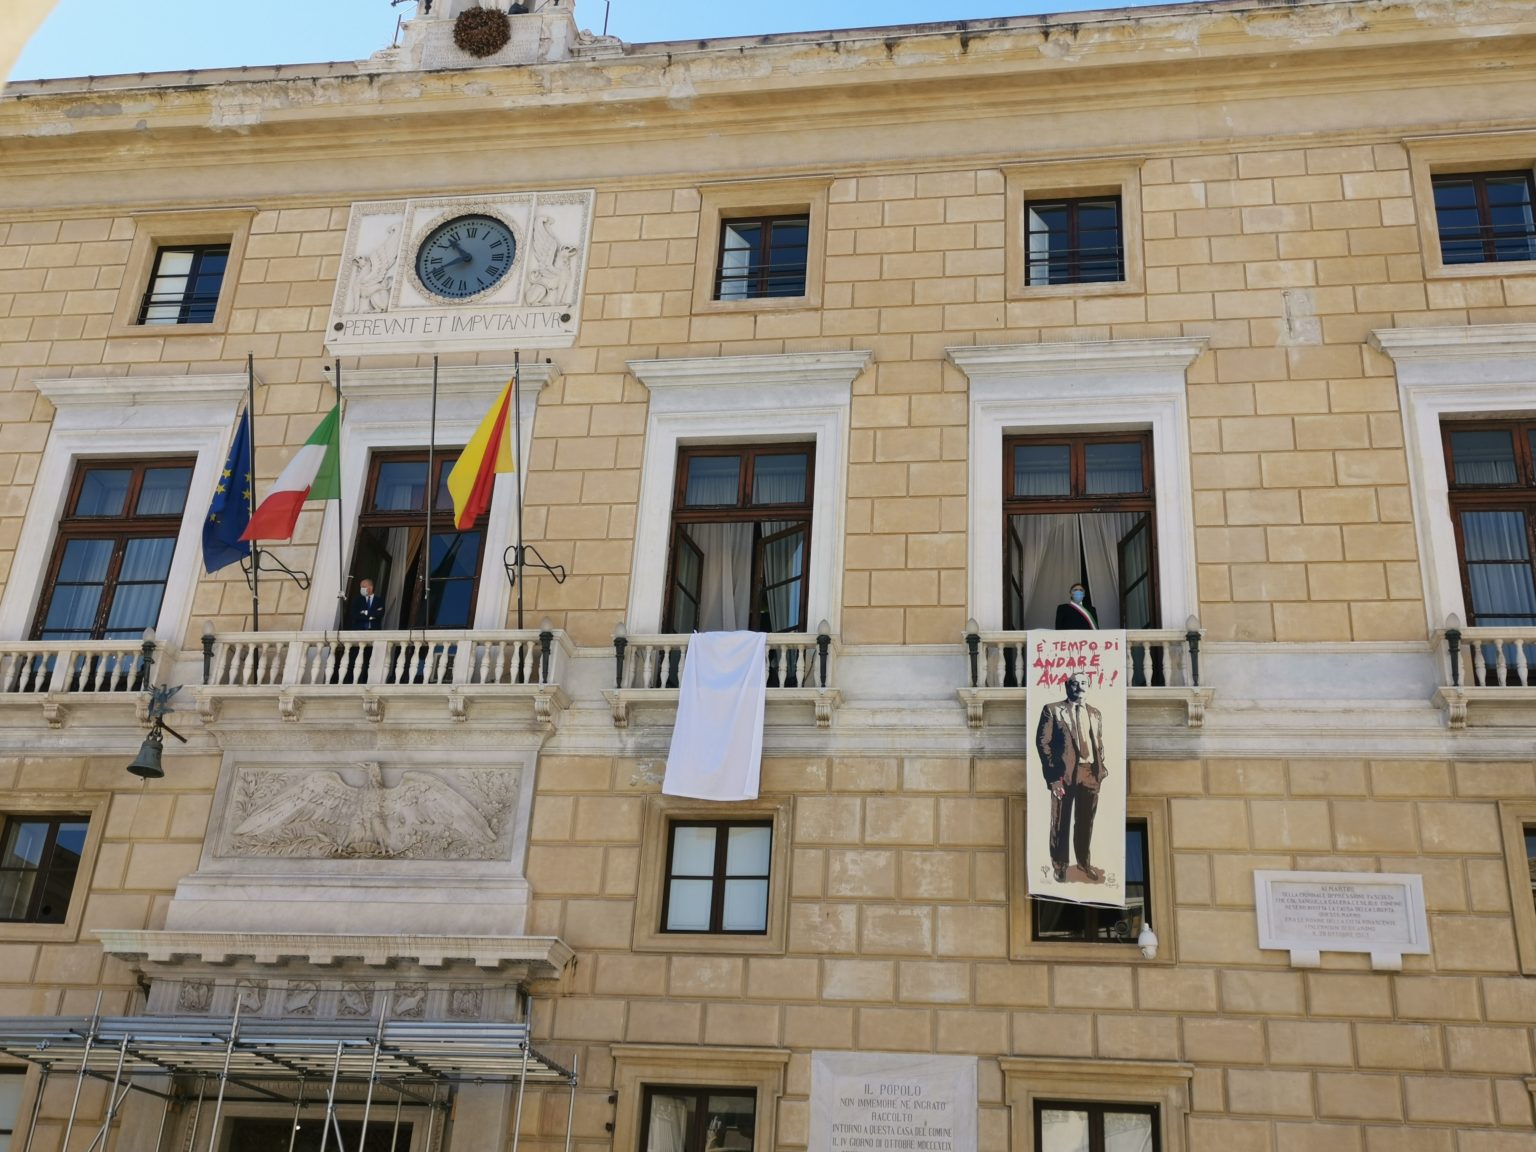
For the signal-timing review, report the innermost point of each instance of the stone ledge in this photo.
(538, 956)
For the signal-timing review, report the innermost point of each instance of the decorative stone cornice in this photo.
(1077, 357)
(541, 956)
(133, 391)
(792, 370)
(1456, 342)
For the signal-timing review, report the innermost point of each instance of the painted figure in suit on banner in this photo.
(1076, 780)
(1070, 740)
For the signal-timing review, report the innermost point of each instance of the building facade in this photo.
(875, 341)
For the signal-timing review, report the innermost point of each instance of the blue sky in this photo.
(101, 37)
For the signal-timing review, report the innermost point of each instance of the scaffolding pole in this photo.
(229, 1052)
(373, 1070)
(114, 1101)
(298, 1108)
(522, 1083)
(85, 1060)
(165, 1114)
(394, 1134)
(330, 1103)
(570, 1108)
(37, 1108)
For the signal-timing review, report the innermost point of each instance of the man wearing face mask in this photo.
(1076, 615)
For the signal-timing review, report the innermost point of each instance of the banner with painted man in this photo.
(1075, 784)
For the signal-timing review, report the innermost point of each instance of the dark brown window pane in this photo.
(1113, 468)
(717, 877)
(762, 257)
(1485, 217)
(39, 861)
(1074, 241)
(1054, 920)
(184, 286)
(1484, 456)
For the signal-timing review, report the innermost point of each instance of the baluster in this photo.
(648, 658)
(523, 661)
(488, 667)
(1502, 656)
(1479, 664)
(1522, 668)
(7, 667)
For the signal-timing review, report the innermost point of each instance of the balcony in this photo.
(1163, 663)
(57, 676)
(343, 675)
(1487, 675)
(798, 671)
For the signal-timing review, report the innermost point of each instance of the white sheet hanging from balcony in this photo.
(717, 742)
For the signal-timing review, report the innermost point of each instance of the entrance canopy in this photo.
(265, 1056)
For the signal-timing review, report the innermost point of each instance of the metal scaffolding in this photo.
(255, 1060)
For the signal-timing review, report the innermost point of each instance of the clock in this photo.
(465, 256)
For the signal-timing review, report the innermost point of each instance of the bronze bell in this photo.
(147, 762)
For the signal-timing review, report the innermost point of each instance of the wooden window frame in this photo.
(120, 529)
(187, 301)
(1074, 206)
(1022, 945)
(717, 878)
(1080, 500)
(758, 280)
(637, 1067)
(1096, 1111)
(443, 461)
(1519, 496)
(742, 200)
(697, 1138)
(743, 511)
(660, 815)
(153, 231)
(45, 869)
(1479, 180)
(88, 806)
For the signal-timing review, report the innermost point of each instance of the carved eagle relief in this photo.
(420, 817)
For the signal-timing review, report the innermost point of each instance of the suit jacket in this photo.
(1069, 619)
(367, 615)
(1060, 752)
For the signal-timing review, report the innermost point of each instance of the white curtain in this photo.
(669, 1124)
(725, 589)
(1102, 533)
(1051, 547)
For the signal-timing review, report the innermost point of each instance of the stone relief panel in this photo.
(367, 812)
(349, 996)
(530, 300)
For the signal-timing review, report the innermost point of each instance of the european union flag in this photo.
(230, 509)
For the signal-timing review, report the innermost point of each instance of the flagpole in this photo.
(517, 470)
(341, 543)
(250, 493)
(426, 552)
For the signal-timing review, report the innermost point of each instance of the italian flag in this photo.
(312, 474)
(488, 452)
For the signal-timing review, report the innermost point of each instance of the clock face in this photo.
(465, 256)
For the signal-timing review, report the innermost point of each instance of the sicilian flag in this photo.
(312, 474)
(488, 452)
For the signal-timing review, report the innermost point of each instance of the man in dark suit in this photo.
(367, 608)
(1070, 738)
(1076, 615)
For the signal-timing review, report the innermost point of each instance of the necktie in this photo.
(1077, 724)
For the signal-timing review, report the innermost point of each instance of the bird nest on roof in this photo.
(482, 31)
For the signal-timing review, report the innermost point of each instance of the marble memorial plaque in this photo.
(1308, 913)
(888, 1102)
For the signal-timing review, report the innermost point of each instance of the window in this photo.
(1056, 931)
(1493, 508)
(690, 1098)
(184, 285)
(1079, 510)
(761, 246)
(717, 877)
(762, 256)
(1074, 229)
(1101, 388)
(713, 885)
(390, 535)
(1057, 920)
(699, 1120)
(39, 860)
(741, 539)
(1062, 1126)
(1484, 217)
(181, 273)
(1075, 241)
(1518, 821)
(113, 552)
(1089, 1105)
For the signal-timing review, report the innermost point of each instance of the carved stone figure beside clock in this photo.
(462, 273)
